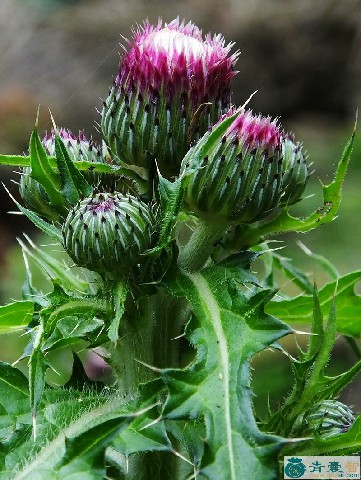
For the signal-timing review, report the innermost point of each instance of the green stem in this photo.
(147, 334)
(195, 254)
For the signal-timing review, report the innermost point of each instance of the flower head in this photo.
(108, 233)
(79, 147)
(243, 169)
(167, 73)
(254, 131)
(175, 59)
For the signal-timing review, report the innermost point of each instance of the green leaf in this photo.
(299, 309)
(171, 195)
(15, 160)
(322, 261)
(232, 328)
(43, 172)
(15, 316)
(57, 271)
(147, 432)
(120, 296)
(312, 385)
(213, 138)
(88, 444)
(292, 272)
(46, 227)
(70, 329)
(37, 365)
(70, 414)
(73, 184)
(74, 307)
(14, 390)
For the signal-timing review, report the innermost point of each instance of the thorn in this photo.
(247, 101)
(182, 457)
(34, 425)
(53, 121)
(154, 369)
(150, 424)
(179, 336)
(37, 118)
(300, 332)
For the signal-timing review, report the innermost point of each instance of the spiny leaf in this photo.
(120, 296)
(43, 172)
(213, 137)
(15, 316)
(73, 307)
(147, 432)
(231, 329)
(84, 410)
(322, 261)
(94, 440)
(14, 390)
(37, 365)
(56, 270)
(171, 195)
(70, 329)
(46, 227)
(73, 184)
(292, 272)
(312, 385)
(348, 306)
(285, 222)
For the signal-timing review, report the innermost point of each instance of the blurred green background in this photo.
(303, 57)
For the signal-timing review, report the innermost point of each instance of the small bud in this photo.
(79, 148)
(253, 169)
(35, 196)
(326, 419)
(108, 234)
(164, 82)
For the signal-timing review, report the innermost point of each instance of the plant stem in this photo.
(147, 334)
(195, 254)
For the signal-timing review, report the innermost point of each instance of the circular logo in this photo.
(295, 468)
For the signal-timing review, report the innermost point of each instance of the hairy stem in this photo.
(195, 254)
(148, 335)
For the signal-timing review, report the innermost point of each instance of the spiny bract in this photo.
(109, 233)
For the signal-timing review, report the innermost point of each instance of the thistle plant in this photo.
(159, 229)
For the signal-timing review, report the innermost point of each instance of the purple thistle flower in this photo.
(167, 73)
(254, 131)
(174, 59)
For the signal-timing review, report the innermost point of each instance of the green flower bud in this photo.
(108, 233)
(326, 419)
(251, 171)
(35, 196)
(238, 173)
(79, 149)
